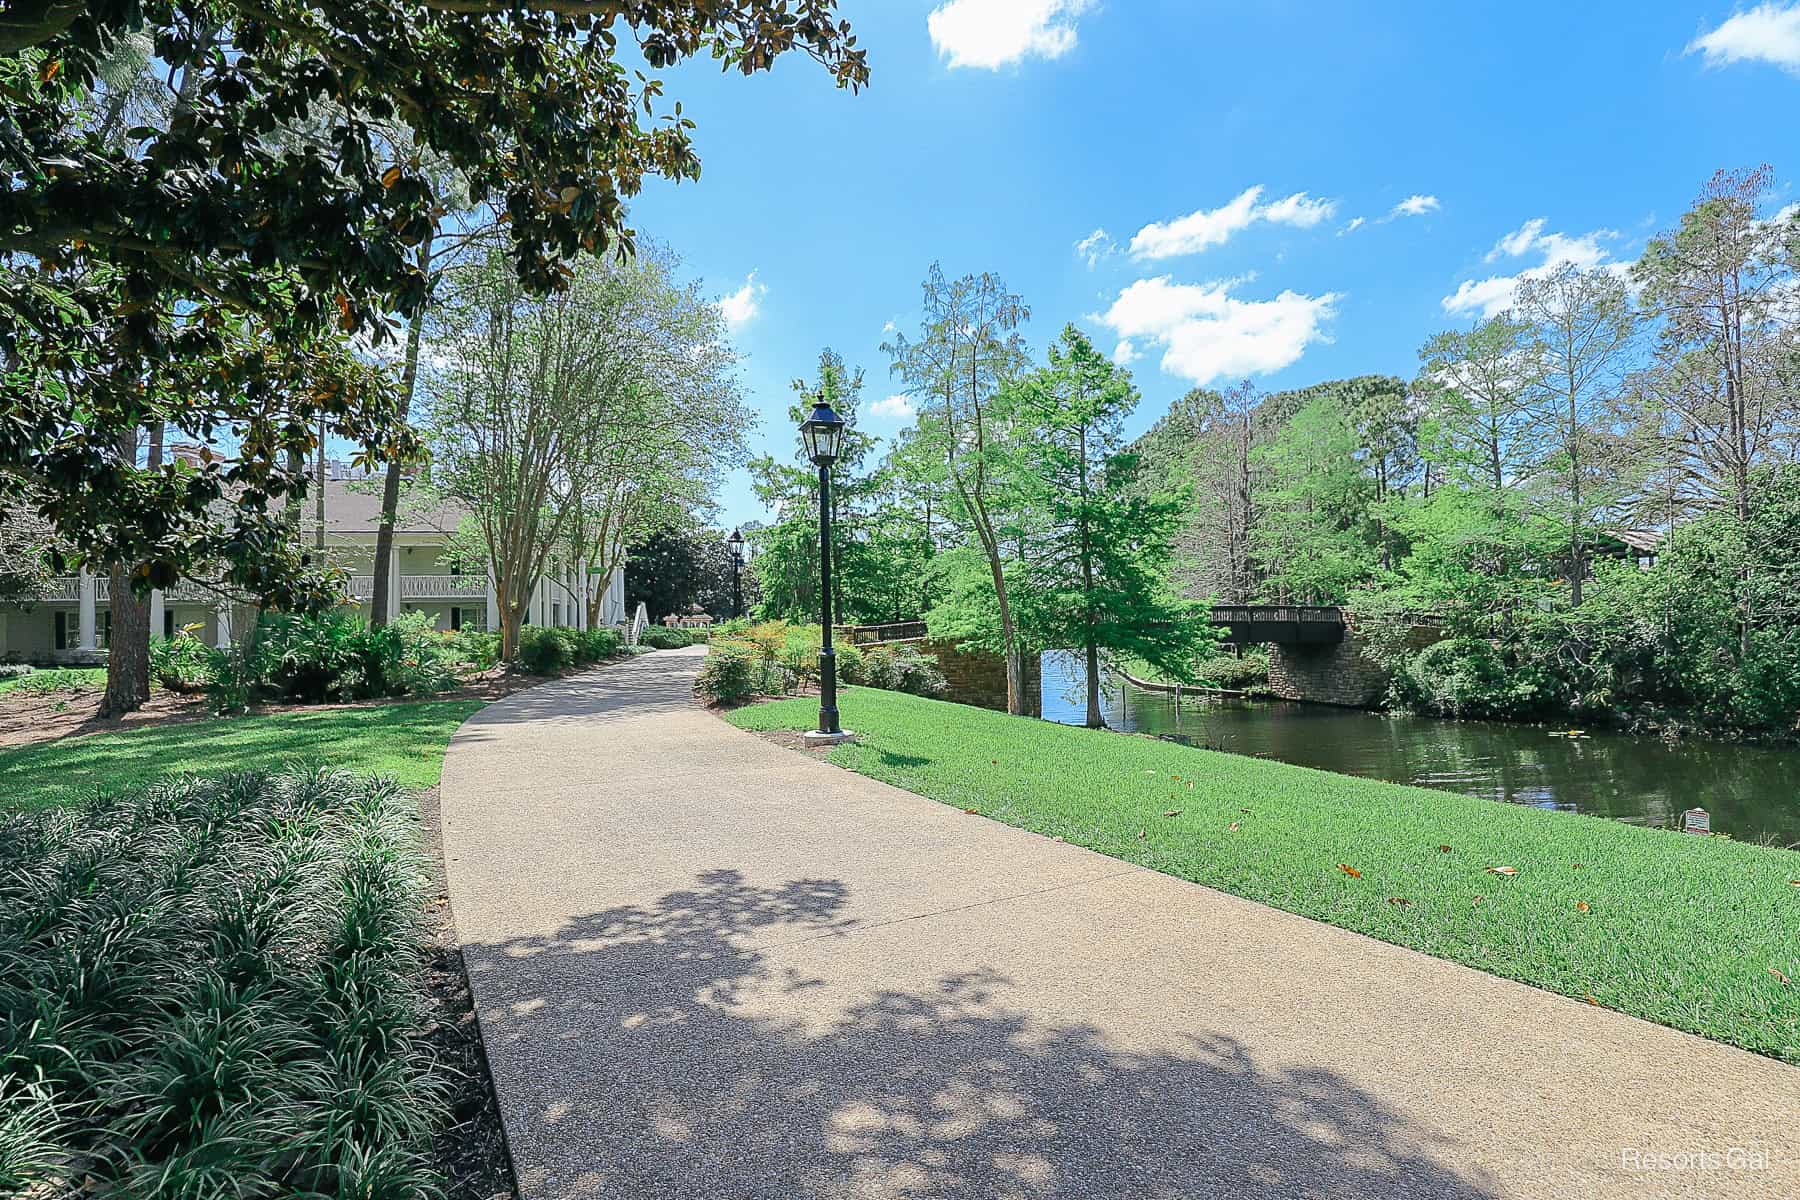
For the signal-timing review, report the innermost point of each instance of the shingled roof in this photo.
(353, 506)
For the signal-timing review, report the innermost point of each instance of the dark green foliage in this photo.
(210, 988)
(730, 675)
(660, 637)
(305, 659)
(475, 648)
(901, 668)
(597, 644)
(206, 267)
(546, 650)
(1231, 673)
(674, 570)
(183, 662)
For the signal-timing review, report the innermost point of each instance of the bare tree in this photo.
(1582, 332)
(968, 347)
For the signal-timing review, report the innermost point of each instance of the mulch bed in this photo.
(472, 1146)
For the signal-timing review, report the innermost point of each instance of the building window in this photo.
(168, 624)
(556, 612)
(456, 620)
(61, 640)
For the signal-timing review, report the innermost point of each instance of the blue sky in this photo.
(1289, 191)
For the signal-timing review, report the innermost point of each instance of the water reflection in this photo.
(1752, 792)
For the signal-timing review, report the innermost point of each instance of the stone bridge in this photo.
(975, 677)
(1315, 652)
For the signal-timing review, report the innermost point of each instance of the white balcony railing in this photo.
(425, 587)
(66, 589)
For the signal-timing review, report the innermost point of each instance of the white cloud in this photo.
(1493, 295)
(1094, 247)
(1125, 353)
(991, 34)
(1767, 33)
(1204, 228)
(1416, 205)
(1207, 334)
(1299, 210)
(897, 406)
(743, 304)
(1354, 224)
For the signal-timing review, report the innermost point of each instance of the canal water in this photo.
(1752, 792)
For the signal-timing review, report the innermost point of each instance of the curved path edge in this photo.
(706, 966)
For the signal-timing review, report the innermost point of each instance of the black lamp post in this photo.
(823, 434)
(737, 567)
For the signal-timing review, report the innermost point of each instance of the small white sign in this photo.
(1696, 820)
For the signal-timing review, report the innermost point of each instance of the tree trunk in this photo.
(384, 547)
(390, 488)
(511, 618)
(128, 647)
(1094, 720)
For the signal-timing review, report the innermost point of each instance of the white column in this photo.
(223, 640)
(615, 591)
(89, 618)
(493, 607)
(393, 596)
(156, 612)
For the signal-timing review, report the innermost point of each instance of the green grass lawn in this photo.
(57, 679)
(403, 740)
(1693, 932)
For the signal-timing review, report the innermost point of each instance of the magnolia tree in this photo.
(204, 268)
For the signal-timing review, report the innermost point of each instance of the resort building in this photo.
(70, 620)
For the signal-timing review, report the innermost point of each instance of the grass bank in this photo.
(405, 741)
(1695, 933)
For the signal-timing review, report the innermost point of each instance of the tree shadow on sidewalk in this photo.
(668, 1050)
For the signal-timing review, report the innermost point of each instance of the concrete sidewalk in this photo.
(708, 967)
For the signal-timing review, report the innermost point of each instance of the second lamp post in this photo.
(823, 434)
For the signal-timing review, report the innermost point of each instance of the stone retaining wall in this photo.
(978, 677)
(1337, 674)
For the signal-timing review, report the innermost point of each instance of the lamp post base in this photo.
(814, 739)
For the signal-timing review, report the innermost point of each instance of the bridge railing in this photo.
(868, 635)
(1248, 614)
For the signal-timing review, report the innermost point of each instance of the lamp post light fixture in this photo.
(823, 435)
(736, 541)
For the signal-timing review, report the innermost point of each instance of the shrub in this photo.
(901, 668)
(920, 674)
(1230, 673)
(599, 644)
(211, 988)
(474, 649)
(416, 659)
(849, 663)
(547, 649)
(1465, 677)
(729, 675)
(14, 670)
(661, 637)
(881, 668)
(183, 663)
(312, 659)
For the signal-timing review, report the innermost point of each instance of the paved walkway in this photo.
(711, 968)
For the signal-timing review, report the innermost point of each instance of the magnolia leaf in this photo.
(1349, 870)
